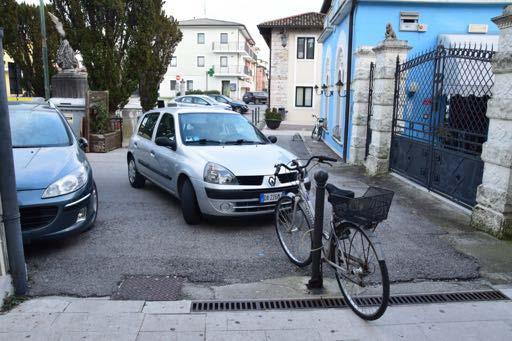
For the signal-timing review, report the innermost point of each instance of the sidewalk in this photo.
(64, 318)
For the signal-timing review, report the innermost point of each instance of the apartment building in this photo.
(261, 75)
(224, 47)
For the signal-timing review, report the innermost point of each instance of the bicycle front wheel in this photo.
(361, 275)
(294, 230)
(314, 132)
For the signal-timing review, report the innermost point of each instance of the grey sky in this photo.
(249, 13)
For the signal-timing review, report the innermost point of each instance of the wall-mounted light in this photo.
(316, 90)
(284, 38)
(325, 91)
(339, 87)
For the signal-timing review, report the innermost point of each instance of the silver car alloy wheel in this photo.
(131, 171)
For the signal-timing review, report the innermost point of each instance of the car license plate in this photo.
(270, 197)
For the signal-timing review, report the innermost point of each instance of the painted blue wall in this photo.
(370, 23)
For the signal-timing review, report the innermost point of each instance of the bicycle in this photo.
(350, 247)
(318, 131)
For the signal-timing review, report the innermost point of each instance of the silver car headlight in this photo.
(67, 184)
(216, 174)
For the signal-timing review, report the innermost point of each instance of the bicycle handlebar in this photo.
(297, 167)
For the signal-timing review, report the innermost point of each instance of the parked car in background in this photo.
(206, 159)
(200, 101)
(256, 97)
(238, 106)
(57, 195)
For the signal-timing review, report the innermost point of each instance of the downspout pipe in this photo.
(10, 210)
(349, 78)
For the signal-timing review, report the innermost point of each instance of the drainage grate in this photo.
(149, 288)
(338, 302)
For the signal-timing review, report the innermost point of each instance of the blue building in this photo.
(350, 24)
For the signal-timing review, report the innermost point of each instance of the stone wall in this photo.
(360, 85)
(279, 71)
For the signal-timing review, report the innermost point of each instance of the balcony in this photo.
(234, 71)
(242, 48)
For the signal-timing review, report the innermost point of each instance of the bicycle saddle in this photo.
(338, 193)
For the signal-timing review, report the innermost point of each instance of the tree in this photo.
(120, 40)
(22, 41)
(156, 36)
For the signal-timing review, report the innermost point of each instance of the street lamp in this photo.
(339, 87)
(284, 38)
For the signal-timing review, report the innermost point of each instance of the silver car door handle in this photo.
(152, 153)
(136, 145)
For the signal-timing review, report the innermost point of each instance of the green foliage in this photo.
(22, 42)
(273, 115)
(156, 36)
(201, 92)
(100, 120)
(124, 44)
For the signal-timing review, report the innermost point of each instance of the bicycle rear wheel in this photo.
(362, 276)
(294, 230)
(314, 132)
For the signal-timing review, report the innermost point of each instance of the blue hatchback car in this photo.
(56, 190)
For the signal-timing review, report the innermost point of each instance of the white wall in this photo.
(288, 72)
(187, 52)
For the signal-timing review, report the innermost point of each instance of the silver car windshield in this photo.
(218, 128)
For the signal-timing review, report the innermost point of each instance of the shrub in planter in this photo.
(273, 118)
(102, 137)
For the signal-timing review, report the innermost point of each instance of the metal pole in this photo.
(11, 214)
(316, 281)
(45, 51)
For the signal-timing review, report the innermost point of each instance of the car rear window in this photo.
(38, 129)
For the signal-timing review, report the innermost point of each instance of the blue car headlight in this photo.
(67, 184)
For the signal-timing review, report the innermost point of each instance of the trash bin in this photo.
(282, 111)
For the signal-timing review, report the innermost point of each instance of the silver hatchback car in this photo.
(215, 161)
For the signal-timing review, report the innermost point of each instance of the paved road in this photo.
(141, 231)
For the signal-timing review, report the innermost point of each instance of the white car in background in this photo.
(200, 101)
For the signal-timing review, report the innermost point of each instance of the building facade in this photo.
(421, 23)
(262, 75)
(224, 47)
(295, 64)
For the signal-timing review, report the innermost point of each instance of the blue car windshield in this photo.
(218, 128)
(38, 129)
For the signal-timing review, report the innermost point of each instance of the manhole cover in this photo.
(149, 288)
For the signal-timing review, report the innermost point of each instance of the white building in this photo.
(295, 64)
(226, 47)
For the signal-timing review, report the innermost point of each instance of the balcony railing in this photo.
(233, 71)
(234, 48)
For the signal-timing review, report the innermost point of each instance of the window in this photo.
(173, 85)
(187, 100)
(220, 99)
(190, 85)
(14, 78)
(305, 48)
(304, 96)
(174, 61)
(200, 101)
(148, 125)
(166, 127)
(38, 129)
(223, 61)
(200, 38)
(200, 61)
(223, 38)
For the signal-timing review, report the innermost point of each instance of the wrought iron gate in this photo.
(439, 120)
(370, 110)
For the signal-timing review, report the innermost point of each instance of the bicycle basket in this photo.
(372, 207)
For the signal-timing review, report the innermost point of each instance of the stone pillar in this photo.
(69, 84)
(383, 94)
(493, 212)
(361, 83)
(279, 71)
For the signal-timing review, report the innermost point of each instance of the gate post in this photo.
(364, 57)
(383, 98)
(493, 212)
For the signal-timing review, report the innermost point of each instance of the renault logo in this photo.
(272, 181)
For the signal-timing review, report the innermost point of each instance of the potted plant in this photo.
(102, 137)
(273, 118)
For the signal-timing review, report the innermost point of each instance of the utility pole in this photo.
(45, 51)
(10, 209)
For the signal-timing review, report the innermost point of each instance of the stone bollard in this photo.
(493, 212)
(383, 94)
